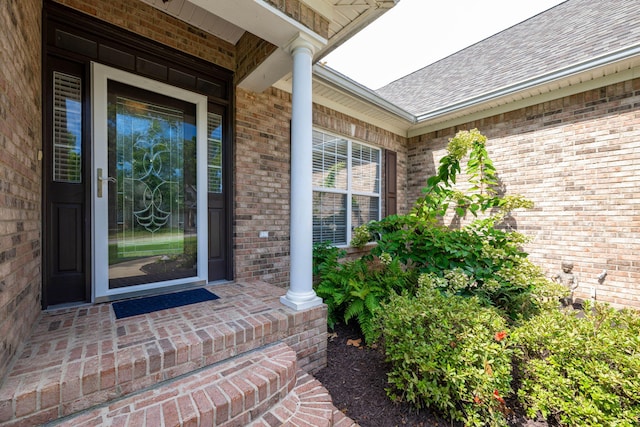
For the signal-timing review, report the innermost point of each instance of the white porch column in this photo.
(301, 294)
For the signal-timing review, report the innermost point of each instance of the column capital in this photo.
(303, 41)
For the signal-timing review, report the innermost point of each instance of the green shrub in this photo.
(499, 272)
(326, 257)
(491, 257)
(355, 289)
(329, 272)
(418, 243)
(447, 352)
(581, 371)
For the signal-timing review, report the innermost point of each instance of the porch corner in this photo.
(308, 337)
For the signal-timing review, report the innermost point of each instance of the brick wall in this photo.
(143, 19)
(261, 177)
(307, 336)
(577, 158)
(20, 171)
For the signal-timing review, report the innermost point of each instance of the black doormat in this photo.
(138, 306)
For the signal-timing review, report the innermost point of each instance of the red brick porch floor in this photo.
(239, 360)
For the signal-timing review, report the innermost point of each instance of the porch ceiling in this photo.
(230, 19)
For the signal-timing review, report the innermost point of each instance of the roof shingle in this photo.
(567, 34)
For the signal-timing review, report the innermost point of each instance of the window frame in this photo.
(350, 192)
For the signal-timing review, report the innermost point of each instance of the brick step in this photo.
(308, 405)
(82, 357)
(232, 393)
(256, 390)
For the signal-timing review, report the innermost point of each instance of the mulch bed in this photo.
(356, 378)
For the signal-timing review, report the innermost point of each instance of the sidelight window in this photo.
(67, 128)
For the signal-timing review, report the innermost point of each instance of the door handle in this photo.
(100, 179)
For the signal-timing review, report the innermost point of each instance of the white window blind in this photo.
(214, 153)
(346, 181)
(67, 128)
(330, 156)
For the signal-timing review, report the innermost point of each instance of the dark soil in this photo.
(356, 378)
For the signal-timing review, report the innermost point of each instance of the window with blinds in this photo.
(67, 128)
(214, 153)
(346, 187)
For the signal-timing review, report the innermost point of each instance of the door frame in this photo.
(71, 38)
(100, 75)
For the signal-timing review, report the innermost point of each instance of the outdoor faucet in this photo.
(601, 276)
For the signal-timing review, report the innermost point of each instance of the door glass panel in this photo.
(67, 128)
(152, 188)
(214, 152)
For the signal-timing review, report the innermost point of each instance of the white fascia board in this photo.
(393, 123)
(355, 89)
(397, 128)
(528, 85)
(460, 117)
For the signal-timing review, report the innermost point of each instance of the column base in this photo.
(301, 302)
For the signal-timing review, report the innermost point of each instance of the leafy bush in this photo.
(581, 371)
(447, 352)
(499, 270)
(439, 192)
(326, 258)
(328, 272)
(355, 289)
(492, 257)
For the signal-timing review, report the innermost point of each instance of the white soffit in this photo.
(199, 18)
(259, 18)
(323, 7)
